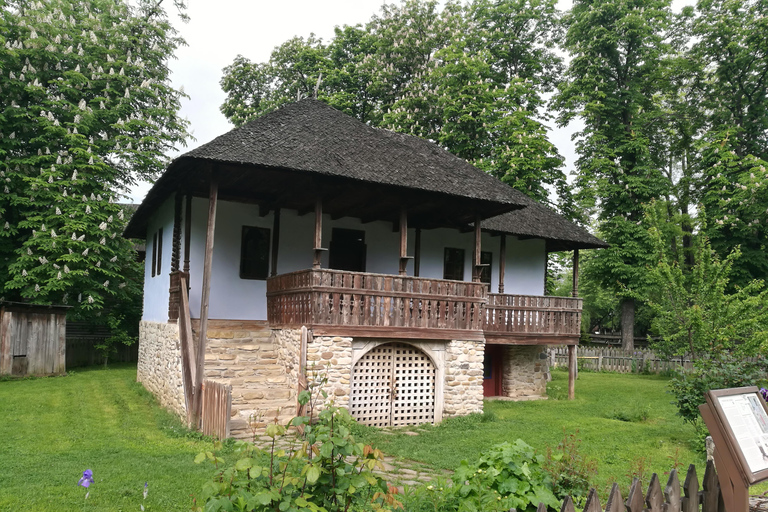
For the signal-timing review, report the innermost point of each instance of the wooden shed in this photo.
(32, 339)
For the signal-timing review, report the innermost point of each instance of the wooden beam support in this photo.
(275, 241)
(502, 261)
(206, 296)
(317, 261)
(575, 292)
(571, 372)
(403, 241)
(476, 259)
(187, 232)
(417, 253)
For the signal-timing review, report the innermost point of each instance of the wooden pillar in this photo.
(575, 292)
(176, 240)
(275, 241)
(476, 259)
(502, 261)
(317, 261)
(403, 241)
(571, 372)
(417, 253)
(187, 233)
(206, 295)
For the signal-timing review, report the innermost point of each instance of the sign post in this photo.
(737, 419)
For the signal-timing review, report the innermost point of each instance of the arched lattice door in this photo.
(393, 384)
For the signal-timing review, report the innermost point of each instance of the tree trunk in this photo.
(628, 324)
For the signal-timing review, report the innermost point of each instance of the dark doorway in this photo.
(347, 250)
(493, 364)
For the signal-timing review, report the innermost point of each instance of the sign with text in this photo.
(742, 416)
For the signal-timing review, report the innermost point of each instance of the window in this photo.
(254, 253)
(486, 259)
(347, 250)
(157, 252)
(453, 264)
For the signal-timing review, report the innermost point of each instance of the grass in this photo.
(625, 422)
(54, 428)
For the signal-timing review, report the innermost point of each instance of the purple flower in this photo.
(146, 489)
(87, 478)
(764, 392)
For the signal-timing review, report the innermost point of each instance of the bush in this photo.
(509, 475)
(569, 469)
(722, 371)
(327, 472)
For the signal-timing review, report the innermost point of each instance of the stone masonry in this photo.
(159, 367)
(525, 372)
(253, 359)
(463, 392)
(331, 357)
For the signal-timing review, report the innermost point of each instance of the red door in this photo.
(493, 364)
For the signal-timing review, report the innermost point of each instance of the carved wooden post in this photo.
(318, 233)
(174, 298)
(275, 241)
(187, 233)
(206, 295)
(575, 292)
(502, 261)
(403, 241)
(571, 372)
(476, 259)
(417, 253)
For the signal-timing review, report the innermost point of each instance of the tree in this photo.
(695, 313)
(618, 51)
(470, 78)
(86, 109)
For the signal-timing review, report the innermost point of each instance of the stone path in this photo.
(396, 471)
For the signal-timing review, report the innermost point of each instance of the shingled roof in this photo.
(539, 221)
(306, 145)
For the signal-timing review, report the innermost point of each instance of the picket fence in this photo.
(619, 360)
(672, 498)
(217, 409)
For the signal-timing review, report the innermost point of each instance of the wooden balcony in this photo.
(341, 303)
(344, 303)
(532, 319)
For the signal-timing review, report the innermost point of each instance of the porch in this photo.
(377, 305)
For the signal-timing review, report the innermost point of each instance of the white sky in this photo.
(220, 30)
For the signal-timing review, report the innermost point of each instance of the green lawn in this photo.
(650, 442)
(52, 429)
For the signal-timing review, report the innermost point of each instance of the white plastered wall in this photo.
(245, 299)
(156, 288)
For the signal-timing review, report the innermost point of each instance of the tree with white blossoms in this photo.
(86, 109)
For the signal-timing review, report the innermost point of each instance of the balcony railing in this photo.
(367, 304)
(357, 299)
(532, 315)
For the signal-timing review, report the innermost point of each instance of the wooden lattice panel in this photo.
(371, 398)
(414, 377)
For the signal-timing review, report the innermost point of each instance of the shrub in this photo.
(509, 475)
(326, 471)
(569, 469)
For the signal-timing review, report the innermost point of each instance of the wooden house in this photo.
(32, 339)
(307, 239)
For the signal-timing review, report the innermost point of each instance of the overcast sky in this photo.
(220, 30)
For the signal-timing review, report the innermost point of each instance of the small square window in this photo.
(453, 264)
(254, 253)
(486, 259)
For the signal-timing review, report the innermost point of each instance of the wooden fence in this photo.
(217, 409)
(672, 498)
(533, 314)
(619, 360)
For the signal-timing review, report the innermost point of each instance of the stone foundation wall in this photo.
(331, 357)
(256, 362)
(463, 391)
(525, 372)
(159, 366)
